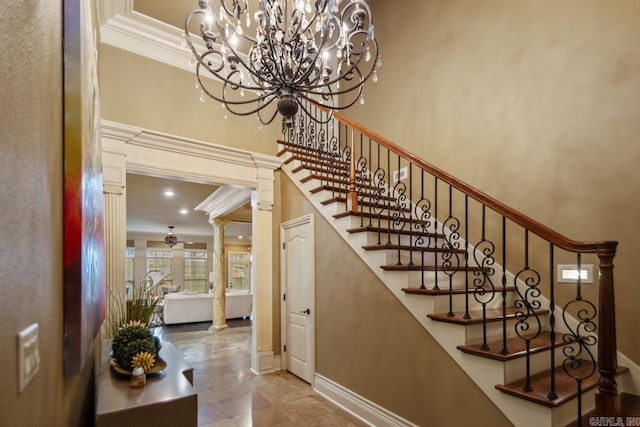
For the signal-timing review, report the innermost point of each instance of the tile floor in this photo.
(230, 395)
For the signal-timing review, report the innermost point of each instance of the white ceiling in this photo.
(150, 212)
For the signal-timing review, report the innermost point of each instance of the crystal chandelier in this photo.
(303, 51)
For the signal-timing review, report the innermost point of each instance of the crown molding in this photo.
(255, 164)
(224, 200)
(126, 29)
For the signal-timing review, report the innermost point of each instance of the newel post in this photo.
(607, 399)
(352, 197)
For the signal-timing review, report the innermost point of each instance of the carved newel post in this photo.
(219, 301)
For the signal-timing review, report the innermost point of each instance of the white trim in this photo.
(224, 200)
(160, 154)
(358, 406)
(126, 29)
(267, 363)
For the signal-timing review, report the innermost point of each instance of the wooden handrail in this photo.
(512, 214)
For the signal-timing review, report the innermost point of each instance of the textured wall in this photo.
(31, 211)
(142, 92)
(369, 343)
(533, 102)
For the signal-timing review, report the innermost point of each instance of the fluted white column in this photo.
(263, 359)
(115, 227)
(219, 298)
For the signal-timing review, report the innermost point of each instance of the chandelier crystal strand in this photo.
(321, 51)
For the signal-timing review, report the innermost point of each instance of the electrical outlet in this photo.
(28, 356)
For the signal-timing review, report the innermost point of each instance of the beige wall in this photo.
(139, 91)
(369, 343)
(534, 102)
(31, 211)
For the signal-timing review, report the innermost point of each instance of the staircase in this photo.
(480, 276)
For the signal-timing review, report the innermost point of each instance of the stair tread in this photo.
(418, 267)
(565, 386)
(455, 291)
(392, 246)
(516, 346)
(374, 229)
(493, 315)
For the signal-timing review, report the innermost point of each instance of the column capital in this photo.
(218, 222)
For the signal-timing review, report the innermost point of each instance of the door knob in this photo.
(307, 311)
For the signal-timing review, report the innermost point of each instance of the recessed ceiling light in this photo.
(169, 193)
(184, 211)
(239, 237)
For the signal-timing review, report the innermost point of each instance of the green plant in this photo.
(132, 338)
(139, 306)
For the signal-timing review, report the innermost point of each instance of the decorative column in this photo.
(219, 301)
(115, 226)
(262, 358)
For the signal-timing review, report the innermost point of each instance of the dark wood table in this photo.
(168, 399)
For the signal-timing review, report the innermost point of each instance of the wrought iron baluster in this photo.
(450, 258)
(485, 249)
(466, 258)
(422, 226)
(399, 191)
(435, 223)
(504, 349)
(379, 184)
(526, 304)
(411, 243)
(552, 395)
(579, 363)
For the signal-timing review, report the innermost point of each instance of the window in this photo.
(239, 270)
(195, 270)
(159, 259)
(129, 265)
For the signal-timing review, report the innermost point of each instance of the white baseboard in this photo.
(357, 405)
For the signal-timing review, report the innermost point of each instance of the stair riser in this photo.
(494, 331)
(414, 279)
(403, 224)
(515, 369)
(441, 303)
(405, 257)
(374, 238)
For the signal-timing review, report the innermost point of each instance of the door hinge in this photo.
(283, 246)
(284, 297)
(285, 348)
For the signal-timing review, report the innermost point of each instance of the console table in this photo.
(168, 399)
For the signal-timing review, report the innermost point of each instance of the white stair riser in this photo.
(441, 303)
(516, 369)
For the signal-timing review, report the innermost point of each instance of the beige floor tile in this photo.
(230, 395)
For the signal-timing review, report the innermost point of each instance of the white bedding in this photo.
(187, 307)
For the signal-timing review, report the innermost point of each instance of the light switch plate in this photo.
(28, 355)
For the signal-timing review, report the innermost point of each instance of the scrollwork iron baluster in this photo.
(528, 325)
(484, 290)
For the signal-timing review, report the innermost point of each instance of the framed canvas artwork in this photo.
(84, 277)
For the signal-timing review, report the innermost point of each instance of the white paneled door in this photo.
(298, 296)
